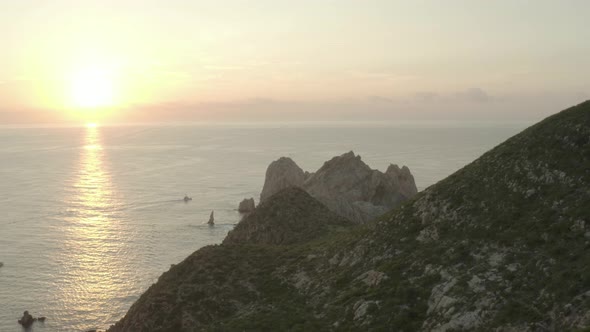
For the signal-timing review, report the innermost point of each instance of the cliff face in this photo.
(345, 184)
(247, 205)
(503, 244)
(281, 174)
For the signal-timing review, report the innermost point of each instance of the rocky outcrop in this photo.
(281, 174)
(287, 217)
(247, 205)
(27, 320)
(404, 177)
(346, 185)
(500, 245)
(211, 218)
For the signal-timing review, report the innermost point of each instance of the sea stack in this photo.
(211, 219)
(345, 184)
(282, 174)
(26, 320)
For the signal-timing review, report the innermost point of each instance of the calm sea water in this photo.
(90, 217)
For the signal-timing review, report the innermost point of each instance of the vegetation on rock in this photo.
(503, 244)
(287, 217)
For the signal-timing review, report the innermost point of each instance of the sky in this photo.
(279, 60)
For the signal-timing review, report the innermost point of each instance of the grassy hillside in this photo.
(291, 216)
(502, 244)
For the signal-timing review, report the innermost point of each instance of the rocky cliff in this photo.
(281, 174)
(501, 245)
(247, 205)
(345, 184)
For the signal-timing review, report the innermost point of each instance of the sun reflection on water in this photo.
(93, 265)
(94, 184)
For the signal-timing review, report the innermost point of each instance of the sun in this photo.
(92, 87)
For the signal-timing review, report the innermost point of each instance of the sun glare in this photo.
(92, 88)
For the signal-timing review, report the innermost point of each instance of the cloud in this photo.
(473, 95)
(426, 96)
(380, 100)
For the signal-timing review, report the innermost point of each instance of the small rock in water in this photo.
(26, 320)
(211, 219)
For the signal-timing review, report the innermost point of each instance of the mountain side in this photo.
(287, 217)
(503, 242)
(237, 279)
(501, 245)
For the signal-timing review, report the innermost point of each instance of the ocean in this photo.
(91, 216)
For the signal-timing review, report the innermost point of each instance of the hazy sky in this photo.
(291, 60)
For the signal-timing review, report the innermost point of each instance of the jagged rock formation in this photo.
(345, 184)
(247, 205)
(281, 174)
(501, 245)
(211, 218)
(287, 217)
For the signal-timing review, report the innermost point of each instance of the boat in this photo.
(186, 198)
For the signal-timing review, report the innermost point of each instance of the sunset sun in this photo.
(91, 88)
